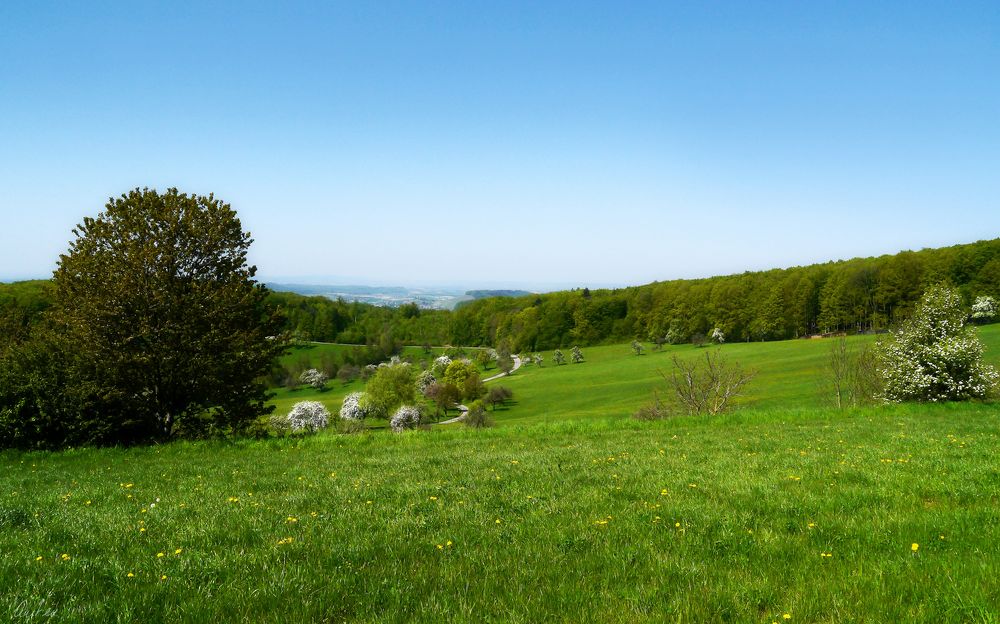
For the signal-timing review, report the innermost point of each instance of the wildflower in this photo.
(826, 555)
(38, 558)
(142, 529)
(159, 555)
(786, 616)
(498, 520)
(434, 497)
(291, 519)
(286, 540)
(448, 543)
(65, 557)
(178, 551)
(440, 547)
(130, 575)
(163, 577)
(914, 546)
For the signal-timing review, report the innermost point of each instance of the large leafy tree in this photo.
(158, 302)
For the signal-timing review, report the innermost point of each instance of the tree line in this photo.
(858, 295)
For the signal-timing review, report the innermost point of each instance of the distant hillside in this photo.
(483, 294)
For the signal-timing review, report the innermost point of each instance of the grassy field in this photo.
(613, 381)
(887, 515)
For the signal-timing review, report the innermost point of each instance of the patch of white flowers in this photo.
(406, 417)
(717, 336)
(441, 364)
(353, 407)
(308, 416)
(315, 378)
(934, 356)
(424, 381)
(984, 308)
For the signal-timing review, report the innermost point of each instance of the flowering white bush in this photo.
(353, 407)
(717, 336)
(558, 357)
(934, 356)
(984, 309)
(406, 417)
(424, 381)
(441, 364)
(308, 416)
(577, 355)
(312, 377)
(538, 359)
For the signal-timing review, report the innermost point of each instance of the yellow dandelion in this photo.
(448, 543)
(159, 555)
(130, 575)
(291, 519)
(163, 577)
(498, 520)
(178, 551)
(142, 529)
(786, 616)
(440, 547)
(38, 558)
(914, 546)
(65, 557)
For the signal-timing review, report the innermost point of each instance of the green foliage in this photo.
(477, 417)
(935, 356)
(157, 327)
(465, 377)
(391, 386)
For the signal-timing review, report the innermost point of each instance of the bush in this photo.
(477, 417)
(699, 386)
(314, 378)
(308, 417)
(353, 407)
(406, 417)
(984, 309)
(935, 356)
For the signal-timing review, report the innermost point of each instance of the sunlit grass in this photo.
(745, 518)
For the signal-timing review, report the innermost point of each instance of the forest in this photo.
(851, 296)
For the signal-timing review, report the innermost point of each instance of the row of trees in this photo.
(857, 295)
(863, 294)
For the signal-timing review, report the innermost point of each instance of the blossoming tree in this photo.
(935, 356)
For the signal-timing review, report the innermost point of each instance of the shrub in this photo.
(424, 381)
(406, 417)
(935, 356)
(498, 395)
(308, 417)
(477, 417)
(440, 365)
(577, 355)
(558, 357)
(984, 309)
(314, 378)
(700, 386)
(353, 407)
(717, 336)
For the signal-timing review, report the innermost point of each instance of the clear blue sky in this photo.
(500, 143)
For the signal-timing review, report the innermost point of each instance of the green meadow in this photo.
(885, 515)
(568, 510)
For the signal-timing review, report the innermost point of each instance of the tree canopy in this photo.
(162, 326)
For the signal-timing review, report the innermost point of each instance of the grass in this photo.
(613, 381)
(592, 520)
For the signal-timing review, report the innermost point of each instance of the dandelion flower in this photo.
(130, 575)
(163, 577)
(65, 557)
(159, 555)
(178, 551)
(786, 616)
(914, 546)
(38, 558)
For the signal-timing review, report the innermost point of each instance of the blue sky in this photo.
(535, 144)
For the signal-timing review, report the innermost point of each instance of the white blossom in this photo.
(353, 407)
(984, 309)
(406, 417)
(718, 336)
(308, 416)
(934, 356)
(315, 378)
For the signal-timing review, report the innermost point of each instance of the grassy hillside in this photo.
(615, 382)
(879, 516)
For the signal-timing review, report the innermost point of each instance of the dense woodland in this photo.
(863, 294)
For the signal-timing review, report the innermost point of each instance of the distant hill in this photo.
(483, 294)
